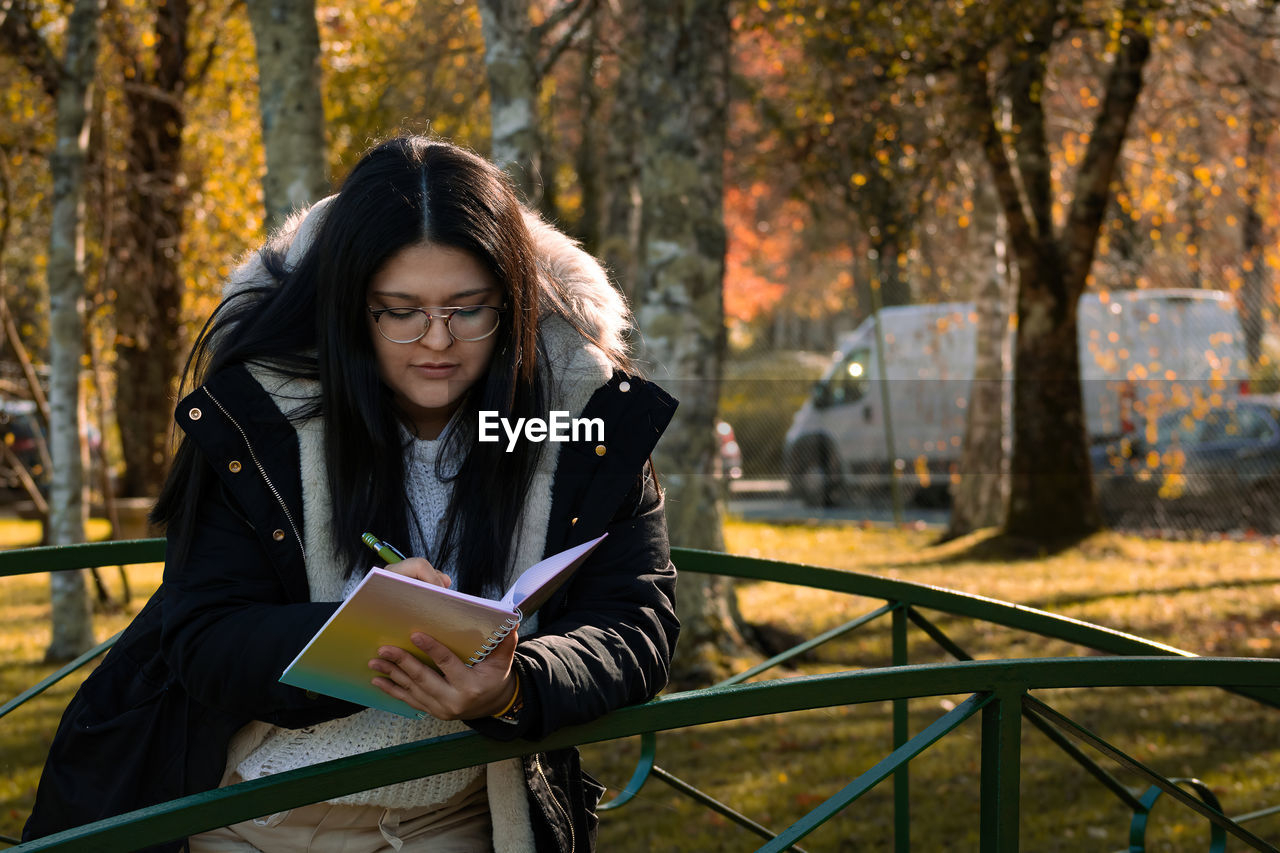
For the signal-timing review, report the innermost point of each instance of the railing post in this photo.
(901, 734)
(1001, 776)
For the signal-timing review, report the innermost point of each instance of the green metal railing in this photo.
(998, 693)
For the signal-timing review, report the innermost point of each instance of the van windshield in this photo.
(847, 380)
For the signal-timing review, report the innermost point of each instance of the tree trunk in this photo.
(587, 160)
(1051, 489)
(683, 81)
(1253, 295)
(894, 287)
(148, 309)
(619, 182)
(620, 179)
(979, 494)
(292, 108)
(1051, 485)
(883, 213)
(72, 621)
(510, 60)
(1262, 94)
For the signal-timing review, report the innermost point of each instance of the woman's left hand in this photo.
(456, 691)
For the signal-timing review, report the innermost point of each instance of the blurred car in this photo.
(728, 461)
(20, 429)
(1215, 467)
(23, 431)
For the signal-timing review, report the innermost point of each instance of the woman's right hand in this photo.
(419, 568)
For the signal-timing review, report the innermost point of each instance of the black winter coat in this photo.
(203, 657)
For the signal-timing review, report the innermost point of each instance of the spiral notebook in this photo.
(386, 608)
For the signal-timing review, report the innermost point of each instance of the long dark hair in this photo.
(313, 324)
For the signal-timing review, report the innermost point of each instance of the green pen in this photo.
(385, 550)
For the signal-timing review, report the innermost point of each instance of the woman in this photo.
(342, 380)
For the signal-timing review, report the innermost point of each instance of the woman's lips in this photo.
(436, 371)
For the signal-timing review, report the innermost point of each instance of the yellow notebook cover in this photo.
(387, 607)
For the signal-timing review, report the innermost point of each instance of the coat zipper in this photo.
(263, 471)
(573, 841)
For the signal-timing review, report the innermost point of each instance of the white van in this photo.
(1141, 352)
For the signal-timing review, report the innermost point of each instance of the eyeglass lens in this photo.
(406, 325)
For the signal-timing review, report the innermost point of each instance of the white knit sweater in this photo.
(288, 749)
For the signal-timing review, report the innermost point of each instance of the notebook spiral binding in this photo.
(495, 639)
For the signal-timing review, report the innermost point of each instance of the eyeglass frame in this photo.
(432, 314)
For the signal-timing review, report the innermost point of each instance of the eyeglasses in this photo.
(407, 325)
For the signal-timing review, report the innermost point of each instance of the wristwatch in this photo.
(511, 713)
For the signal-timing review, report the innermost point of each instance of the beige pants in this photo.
(460, 827)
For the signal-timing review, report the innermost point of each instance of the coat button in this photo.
(195, 414)
(311, 694)
(599, 450)
(234, 466)
(624, 386)
(278, 535)
(573, 521)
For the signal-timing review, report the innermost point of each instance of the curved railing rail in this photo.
(999, 692)
(59, 558)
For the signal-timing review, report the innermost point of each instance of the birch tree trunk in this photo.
(287, 41)
(978, 498)
(683, 79)
(511, 64)
(72, 621)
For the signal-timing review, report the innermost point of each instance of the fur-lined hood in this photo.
(574, 284)
(576, 293)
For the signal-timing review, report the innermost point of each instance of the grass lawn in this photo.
(1211, 597)
(24, 634)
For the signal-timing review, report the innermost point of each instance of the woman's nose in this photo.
(437, 336)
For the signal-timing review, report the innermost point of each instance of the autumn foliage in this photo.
(853, 168)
